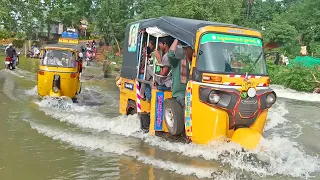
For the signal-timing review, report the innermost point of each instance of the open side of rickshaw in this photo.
(59, 71)
(227, 95)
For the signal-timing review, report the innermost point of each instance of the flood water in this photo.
(48, 139)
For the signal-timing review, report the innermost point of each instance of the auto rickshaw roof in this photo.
(181, 28)
(76, 47)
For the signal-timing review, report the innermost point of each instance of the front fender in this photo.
(247, 138)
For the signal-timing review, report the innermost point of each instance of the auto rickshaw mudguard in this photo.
(250, 137)
(246, 137)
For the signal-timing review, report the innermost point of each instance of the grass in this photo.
(25, 63)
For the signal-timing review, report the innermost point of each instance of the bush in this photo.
(295, 77)
(107, 69)
(112, 57)
(18, 43)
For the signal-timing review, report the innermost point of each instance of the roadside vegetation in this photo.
(294, 77)
(287, 23)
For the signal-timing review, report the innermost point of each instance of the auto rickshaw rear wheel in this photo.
(173, 116)
(144, 122)
(131, 107)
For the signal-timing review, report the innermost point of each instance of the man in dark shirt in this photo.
(11, 52)
(180, 71)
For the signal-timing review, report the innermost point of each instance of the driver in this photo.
(50, 59)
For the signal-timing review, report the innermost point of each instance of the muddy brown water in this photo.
(50, 139)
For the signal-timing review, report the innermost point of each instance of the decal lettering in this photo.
(159, 111)
(128, 86)
(188, 109)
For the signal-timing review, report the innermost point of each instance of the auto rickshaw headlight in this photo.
(252, 92)
(271, 99)
(214, 97)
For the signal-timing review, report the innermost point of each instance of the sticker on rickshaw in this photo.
(244, 95)
(133, 35)
(247, 84)
(159, 111)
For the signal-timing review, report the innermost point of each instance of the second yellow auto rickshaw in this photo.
(59, 71)
(227, 96)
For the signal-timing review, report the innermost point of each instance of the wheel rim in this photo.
(169, 117)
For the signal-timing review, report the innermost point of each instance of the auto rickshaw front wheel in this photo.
(131, 107)
(173, 116)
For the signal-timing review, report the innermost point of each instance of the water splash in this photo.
(276, 115)
(295, 95)
(8, 88)
(280, 161)
(95, 143)
(32, 92)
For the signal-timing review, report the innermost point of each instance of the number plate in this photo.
(247, 85)
(7, 62)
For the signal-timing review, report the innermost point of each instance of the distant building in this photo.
(55, 29)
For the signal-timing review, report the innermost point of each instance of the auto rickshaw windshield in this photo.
(61, 58)
(222, 53)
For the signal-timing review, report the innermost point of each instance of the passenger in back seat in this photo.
(155, 55)
(164, 45)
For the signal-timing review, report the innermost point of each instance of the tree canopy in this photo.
(290, 23)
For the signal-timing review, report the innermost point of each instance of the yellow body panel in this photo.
(207, 123)
(258, 125)
(157, 99)
(246, 137)
(128, 94)
(69, 86)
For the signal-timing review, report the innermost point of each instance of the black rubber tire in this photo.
(178, 116)
(75, 100)
(131, 107)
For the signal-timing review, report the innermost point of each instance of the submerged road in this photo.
(46, 139)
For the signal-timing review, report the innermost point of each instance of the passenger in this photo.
(180, 71)
(145, 54)
(11, 52)
(156, 57)
(142, 60)
(50, 59)
(164, 44)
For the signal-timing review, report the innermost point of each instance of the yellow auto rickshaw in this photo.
(227, 95)
(59, 71)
